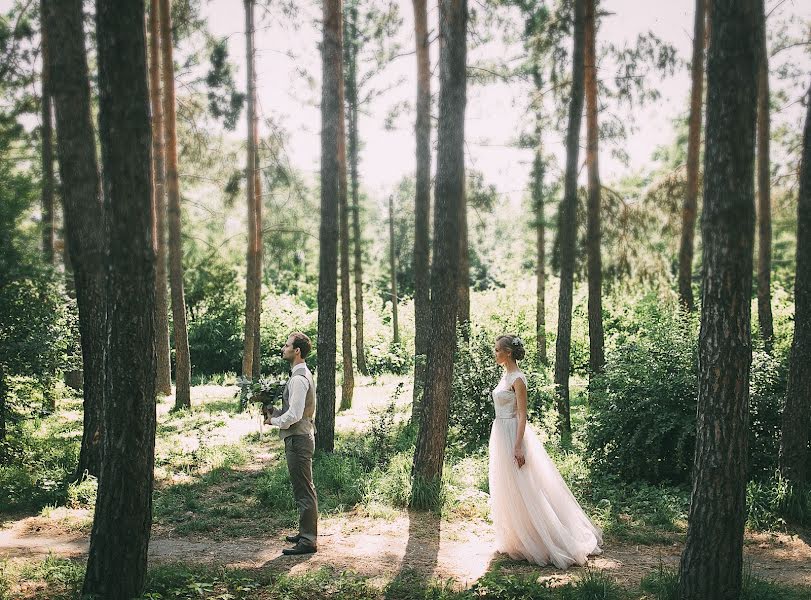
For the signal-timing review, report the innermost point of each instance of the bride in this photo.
(535, 515)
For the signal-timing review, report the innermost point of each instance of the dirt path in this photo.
(462, 551)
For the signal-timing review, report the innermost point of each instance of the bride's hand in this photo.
(518, 454)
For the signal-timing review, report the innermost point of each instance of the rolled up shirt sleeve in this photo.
(298, 393)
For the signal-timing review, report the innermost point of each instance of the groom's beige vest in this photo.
(305, 426)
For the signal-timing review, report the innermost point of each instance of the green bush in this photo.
(384, 357)
(774, 502)
(641, 424)
(767, 391)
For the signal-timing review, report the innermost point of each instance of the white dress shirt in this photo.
(297, 387)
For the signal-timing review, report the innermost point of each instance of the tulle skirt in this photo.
(536, 517)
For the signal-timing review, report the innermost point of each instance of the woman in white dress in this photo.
(535, 515)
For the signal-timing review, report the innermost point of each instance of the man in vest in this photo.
(296, 429)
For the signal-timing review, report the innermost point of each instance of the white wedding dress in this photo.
(535, 515)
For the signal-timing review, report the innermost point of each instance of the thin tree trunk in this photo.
(256, 363)
(351, 52)
(182, 360)
(794, 459)
(251, 180)
(86, 228)
(331, 131)
(422, 206)
(3, 394)
(48, 239)
(116, 566)
(568, 224)
(593, 236)
(348, 385)
(393, 271)
(712, 560)
(429, 454)
(764, 263)
(538, 172)
(689, 209)
(164, 374)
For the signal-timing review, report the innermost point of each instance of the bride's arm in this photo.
(521, 400)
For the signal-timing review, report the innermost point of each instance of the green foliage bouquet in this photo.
(262, 391)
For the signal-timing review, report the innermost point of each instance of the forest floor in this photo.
(454, 548)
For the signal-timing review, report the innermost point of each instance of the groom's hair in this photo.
(302, 342)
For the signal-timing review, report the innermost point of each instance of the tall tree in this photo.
(182, 359)
(351, 47)
(794, 458)
(689, 209)
(48, 239)
(764, 203)
(568, 224)
(252, 280)
(348, 382)
(331, 163)
(538, 172)
(422, 205)
(393, 268)
(429, 455)
(712, 560)
(116, 566)
(163, 381)
(595, 269)
(85, 222)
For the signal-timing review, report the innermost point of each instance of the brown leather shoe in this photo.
(299, 549)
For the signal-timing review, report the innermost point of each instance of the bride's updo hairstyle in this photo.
(512, 343)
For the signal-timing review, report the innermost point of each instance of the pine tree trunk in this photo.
(251, 180)
(48, 239)
(422, 206)
(593, 236)
(794, 454)
(764, 217)
(331, 164)
(538, 172)
(568, 225)
(116, 566)
(351, 52)
(712, 560)
(348, 384)
(182, 360)
(429, 454)
(689, 209)
(164, 374)
(393, 273)
(86, 227)
(256, 363)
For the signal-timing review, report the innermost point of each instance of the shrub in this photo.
(642, 420)
(384, 357)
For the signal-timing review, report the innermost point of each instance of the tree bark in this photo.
(351, 53)
(331, 163)
(86, 227)
(568, 224)
(689, 208)
(712, 560)
(256, 363)
(164, 373)
(429, 454)
(764, 213)
(794, 457)
(116, 566)
(48, 239)
(393, 271)
(593, 235)
(422, 206)
(538, 172)
(348, 383)
(182, 359)
(251, 179)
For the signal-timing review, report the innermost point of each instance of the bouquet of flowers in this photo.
(265, 392)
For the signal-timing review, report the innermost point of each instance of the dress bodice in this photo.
(504, 395)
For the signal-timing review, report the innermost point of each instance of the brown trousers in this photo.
(298, 450)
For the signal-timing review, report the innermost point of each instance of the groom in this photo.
(297, 431)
